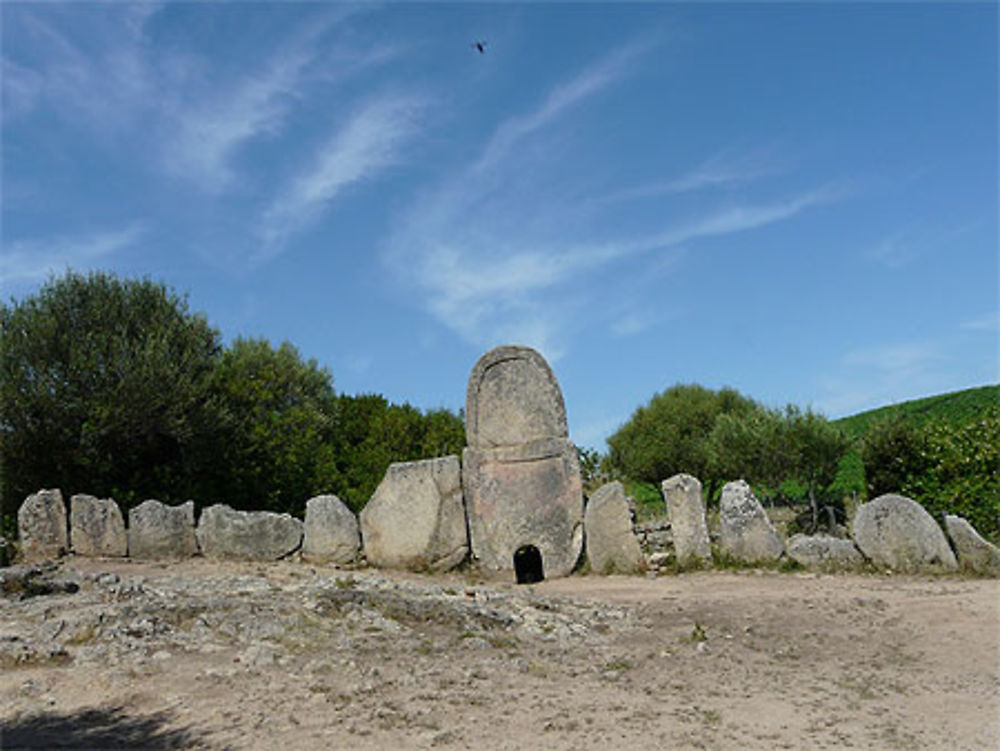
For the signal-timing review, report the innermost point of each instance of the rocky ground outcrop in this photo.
(239, 656)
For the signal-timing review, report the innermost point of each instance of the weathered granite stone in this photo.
(974, 553)
(686, 510)
(415, 519)
(512, 399)
(96, 527)
(896, 532)
(156, 530)
(248, 535)
(747, 533)
(823, 551)
(42, 527)
(331, 531)
(520, 473)
(612, 546)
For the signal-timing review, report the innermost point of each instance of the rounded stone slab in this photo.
(415, 519)
(42, 526)
(156, 530)
(747, 534)
(612, 546)
(974, 553)
(686, 511)
(513, 398)
(823, 551)
(247, 535)
(897, 532)
(331, 531)
(96, 527)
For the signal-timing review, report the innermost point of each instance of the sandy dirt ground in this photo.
(291, 656)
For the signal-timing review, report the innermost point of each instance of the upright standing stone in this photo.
(520, 472)
(156, 530)
(415, 519)
(41, 525)
(331, 531)
(96, 527)
(974, 553)
(686, 510)
(224, 532)
(747, 533)
(897, 532)
(612, 546)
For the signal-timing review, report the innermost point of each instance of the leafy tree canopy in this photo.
(279, 422)
(671, 434)
(104, 388)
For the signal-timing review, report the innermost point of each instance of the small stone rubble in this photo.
(824, 552)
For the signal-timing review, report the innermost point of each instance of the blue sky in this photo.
(796, 200)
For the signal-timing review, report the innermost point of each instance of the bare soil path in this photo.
(289, 656)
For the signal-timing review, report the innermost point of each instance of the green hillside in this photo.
(955, 407)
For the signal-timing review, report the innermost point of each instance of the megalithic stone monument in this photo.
(520, 472)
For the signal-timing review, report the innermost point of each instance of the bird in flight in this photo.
(480, 45)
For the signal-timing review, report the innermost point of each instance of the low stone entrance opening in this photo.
(528, 565)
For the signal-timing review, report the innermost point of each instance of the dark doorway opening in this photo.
(528, 565)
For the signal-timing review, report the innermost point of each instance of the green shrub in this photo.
(959, 472)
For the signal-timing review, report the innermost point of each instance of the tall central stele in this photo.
(520, 472)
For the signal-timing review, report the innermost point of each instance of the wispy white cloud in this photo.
(208, 135)
(893, 252)
(989, 322)
(745, 217)
(362, 148)
(557, 103)
(723, 170)
(191, 114)
(482, 285)
(105, 85)
(211, 126)
(506, 249)
(33, 260)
